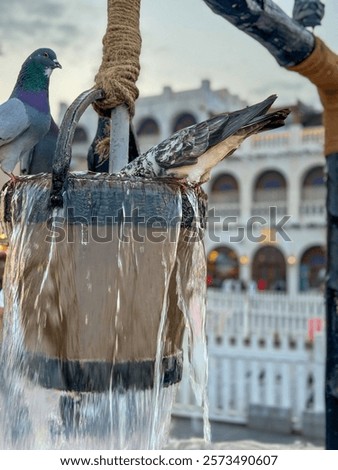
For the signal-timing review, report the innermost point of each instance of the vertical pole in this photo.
(331, 379)
(119, 138)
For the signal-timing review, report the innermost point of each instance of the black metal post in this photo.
(331, 376)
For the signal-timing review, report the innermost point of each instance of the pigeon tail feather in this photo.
(238, 119)
(265, 123)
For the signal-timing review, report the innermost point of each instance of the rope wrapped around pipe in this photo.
(120, 65)
(321, 68)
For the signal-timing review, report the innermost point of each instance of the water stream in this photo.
(98, 296)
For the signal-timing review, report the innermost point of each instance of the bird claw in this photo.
(13, 178)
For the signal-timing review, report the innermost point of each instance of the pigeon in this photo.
(192, 152)
(95, 161)
(25, 117)
(98, 157)
(40, 158)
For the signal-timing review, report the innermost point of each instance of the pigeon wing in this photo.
(185, 146)
(14, 120)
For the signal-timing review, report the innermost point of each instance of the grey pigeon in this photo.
(25, 118)
(308, 13)
(191, 153)
(95, 161)
(40, 158)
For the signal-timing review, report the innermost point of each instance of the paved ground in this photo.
(188, 434)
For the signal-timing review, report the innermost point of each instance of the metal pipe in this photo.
(119, 138)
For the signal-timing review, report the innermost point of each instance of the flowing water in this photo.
(98, 296)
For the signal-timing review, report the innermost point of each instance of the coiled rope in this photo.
(120, 65)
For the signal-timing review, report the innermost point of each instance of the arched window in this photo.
(148, 127)
(314, 177)
(224, 188)
(183, 120)
(269, 269)
(312, 268)
(80, 135)
(270, 186)
(223, 183)
(223, 264)
(313, 188)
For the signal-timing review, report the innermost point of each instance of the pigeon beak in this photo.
(57, 64)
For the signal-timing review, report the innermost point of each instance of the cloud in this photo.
(45, 8)
(37, 20)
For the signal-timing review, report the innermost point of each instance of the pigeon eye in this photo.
(45, 54)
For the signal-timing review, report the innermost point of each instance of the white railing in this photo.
(264, 199)
(313, 209)
(260, 354)
(237, 313)
(263, 209)
(311, 138)
(313, 203)
(287, 375)
(279, 139)
(313, 134)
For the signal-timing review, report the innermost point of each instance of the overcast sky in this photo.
(183, 43)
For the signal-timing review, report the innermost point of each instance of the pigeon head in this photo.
(36, 70)
(44, 58)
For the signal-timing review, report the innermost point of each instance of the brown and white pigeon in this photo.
(191, 153)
